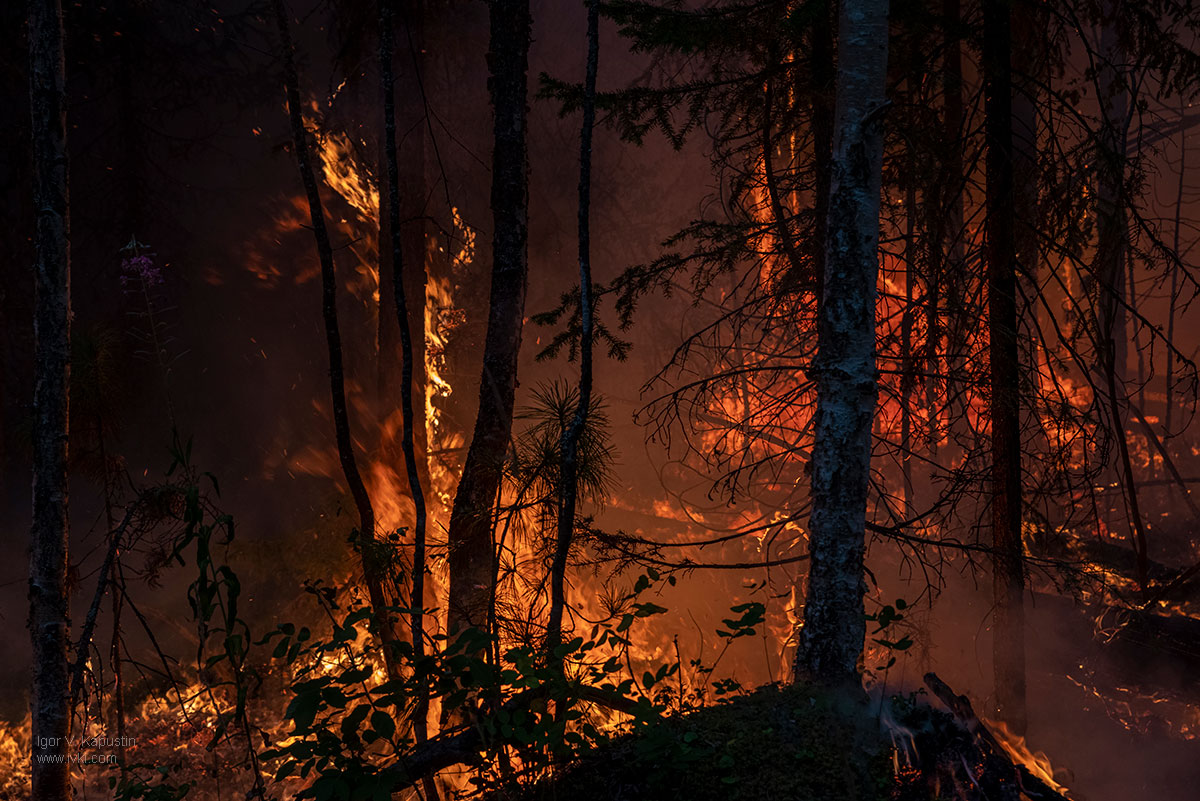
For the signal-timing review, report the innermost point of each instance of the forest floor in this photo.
(775, 743)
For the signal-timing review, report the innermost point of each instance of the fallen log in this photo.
(463, 745)
(457, 747)
(1001, 775)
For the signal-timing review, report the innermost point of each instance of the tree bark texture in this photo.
(1008, 628)
(49, 623)
(410, 124)
(470, 533)
(948, 241)
(393, 245)
(822, 75)
(831, 640)
(1112, 260)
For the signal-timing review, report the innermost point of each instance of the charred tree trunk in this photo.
(400, 300)
(1112, 261)
(387, 337)
(410, 154)
(1169, 402)
(49, 625)
(909, 364)
(822, 75)
(470, 534)
(779, 214)
(373, 564)
(831, 639)
(569, 449)
(947, 247)
(1008, 579)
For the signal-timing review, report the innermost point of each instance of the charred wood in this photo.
(1000, 777)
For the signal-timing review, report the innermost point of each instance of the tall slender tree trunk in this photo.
(1112, 262)
(569, 449)
(1008, 641)
(373, 564)
(410, 154)
(909, 363)
(948, 248)
(470, 534)
(400, 301)
(1169, 401)
(831, 639)
(49, 624)
(822, 75)
(387, 337)
(1029, 54)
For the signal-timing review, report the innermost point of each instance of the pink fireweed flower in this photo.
(140, 268)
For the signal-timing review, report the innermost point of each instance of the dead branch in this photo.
(89, 622)
(463, 745)
(996, 759)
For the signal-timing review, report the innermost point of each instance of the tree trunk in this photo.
(470, 533)
(831, 639)
(822, 75)
(410, 154)
(1112, 260)
(909, 364)
(568, 480)
(400, 300)
(373, 572)
(387, 337)
(948, 247)
(1169, 402)
(49, 625)
(1008, 630)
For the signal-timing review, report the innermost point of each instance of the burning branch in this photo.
(998, 766)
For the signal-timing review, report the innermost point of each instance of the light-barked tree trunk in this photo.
(49, 624)
(831, 640)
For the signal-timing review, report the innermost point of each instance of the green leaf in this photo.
(303, 710)
(383, 724)
(648, 609)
